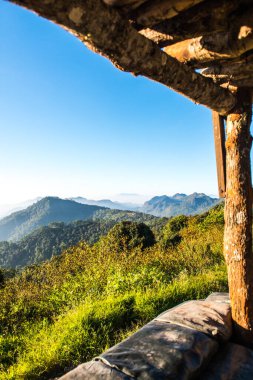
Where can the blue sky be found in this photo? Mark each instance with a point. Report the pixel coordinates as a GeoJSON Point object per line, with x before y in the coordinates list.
{"type": "Point", "coordinates": [72, 124]}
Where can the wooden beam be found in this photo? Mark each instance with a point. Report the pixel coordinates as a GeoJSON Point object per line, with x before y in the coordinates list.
{"type": "Point", "coordinates": [155, 11]}
{"type": "Point", "coordinates": [220, 152]}
{"type": "Point", "coordinates": [127, 5]}
{"type": "Point", "coordinates": [105, 31]}
{"type": "Point", "coordinates": [161, 39]}
{"type": "Point", "coordinates": [218, 46]}
{"type": "Point", "coordinates": [234, 68]}
{"type": "Point", "coordinates": [200, 51]}
{"type": "Point", "coordinates": [202, 19]}
{"type": "Point", "coordinates": [238, 73]}
{"type": "Point", "coordinates": [234, 74]}
{"type": "Point", "coordinates": [238, 219]}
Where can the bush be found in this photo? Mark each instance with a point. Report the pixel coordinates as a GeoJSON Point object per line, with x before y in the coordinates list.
{"type": "Point", "coordinates": [171, 232]}
{"type": "Point", "coordinates": [125, 236]}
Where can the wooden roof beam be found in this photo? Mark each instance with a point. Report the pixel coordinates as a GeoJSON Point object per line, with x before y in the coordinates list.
{"type": "Point", "coordinates": [240, 69]}
{"type": "Point", "coordinates": [199, 20]}
{"type": "Point", "coordinates": [232, 84]}
{"type": "Point", "coordinates": [218, 46]}
{"type": "Point", "coordinates": [155, 11]}
{"type": "Point", "coordinates": [126, 5]}
{"type": "Point", "coordinates": [103, 30]}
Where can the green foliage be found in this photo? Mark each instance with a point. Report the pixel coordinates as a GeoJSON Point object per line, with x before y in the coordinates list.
{"type": "Point", "coordinates": [215, 217]}
{"type": "Point", "coordinates": [72, 307]}
{"type": "Point", "coordinates": [1, 277]}
{"type": "Point", "coordinates": [93, 326]}
{"type": "Point", "coordinates": [48, 241]}
{"type": "Point", "coordinates": [51, 240]}
{"type": "Point", "coordinates": [171, 232]}
{"type": "Point", "coordinates": [125, 236]}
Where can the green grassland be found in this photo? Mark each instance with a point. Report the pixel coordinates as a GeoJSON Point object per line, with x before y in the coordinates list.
{"type": "Point", "coordinates": [69, 309]}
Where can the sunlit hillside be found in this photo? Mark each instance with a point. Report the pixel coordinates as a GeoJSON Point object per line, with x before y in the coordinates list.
{"type": "Point", "coordinates": [72, 307]}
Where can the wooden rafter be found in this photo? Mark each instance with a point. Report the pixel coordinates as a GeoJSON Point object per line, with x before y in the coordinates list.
{"type": "Point", "coordinates": [200, 20]}
{"type": "Point", "coordinates": [239, 74]}
{"type": "Point", "coordinates": [127, 4]}
{"type": "Point", "coordinates": [201, 51]}
{"type": "Point", "coordinates": [240, 69]}
{"type": "Point", "coordinates": [103, 30]}
{"type": "Point", "coordinates": [219, 46]}
{"type": "Point", "coordinates": [153, 12]}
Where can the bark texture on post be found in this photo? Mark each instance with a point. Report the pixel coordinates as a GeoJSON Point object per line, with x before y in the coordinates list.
{"type": "Point", "coordinates": [238, 219]}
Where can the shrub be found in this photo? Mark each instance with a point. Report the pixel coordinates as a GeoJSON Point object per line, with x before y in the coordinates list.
{"type": "Point", "coordinates": [171, 232]}
{"type": "Point", "coordinates": [125, 236]}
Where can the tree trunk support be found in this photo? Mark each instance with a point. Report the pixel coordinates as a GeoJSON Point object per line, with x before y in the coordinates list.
{"type": "Point", "coordinates": [238, 218]}
{"type": "Point", "coordinates": [220, 152]}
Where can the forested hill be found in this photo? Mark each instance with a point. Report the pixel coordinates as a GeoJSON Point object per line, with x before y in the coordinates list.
{"type": "Point", "coordinates": [47, 210]}
{"type": "Point", "coordinates": [48, 241]}
{"type": "Point", "coordinates": [51, 240]}
{"type": "Point", "coordinates": [67, 310]}
{"type": "Point", "coordinates": [179, 204]}
{"type": "Point", "coordinates": [52, 209]}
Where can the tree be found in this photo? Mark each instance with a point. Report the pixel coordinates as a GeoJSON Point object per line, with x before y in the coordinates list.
{"type": "Point", "coordinates": [171, 232]}
{"type": "Point", "coordinates": [125, 236]}
{"type": "Point", "coordinates": [1, 278]}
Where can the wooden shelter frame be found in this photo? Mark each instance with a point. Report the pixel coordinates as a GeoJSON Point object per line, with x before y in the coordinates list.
{"type": "Point", "coordinates": [166, 41]}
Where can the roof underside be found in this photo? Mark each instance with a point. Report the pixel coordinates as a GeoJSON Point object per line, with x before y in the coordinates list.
{"type": "Point", "coordinates": [214, 36]}
{"type": "Point", "coordinates": [200, 48]}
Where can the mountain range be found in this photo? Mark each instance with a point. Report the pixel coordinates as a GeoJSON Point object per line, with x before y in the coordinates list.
{"type": "Point", "coordinates": [41, 213]}
{"type": "Point", "coordinates": [7, 209]}
{"type": "Point", "coordinates": [51, 225]}
{"type": "Point", "coordinates": [161, 206]}
{"type": "Point", "coordinates": [107, 203]}
{"type": "Point", "coordinates": [179, 204]}
{"type": "Point", "coordinates": [52, 209]}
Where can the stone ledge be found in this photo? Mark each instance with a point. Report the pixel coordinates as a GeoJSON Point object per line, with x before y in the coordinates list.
{"type": "Point", "coordinates": [188, 341]}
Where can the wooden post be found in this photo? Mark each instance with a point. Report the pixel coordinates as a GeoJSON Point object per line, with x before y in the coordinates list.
{"type": "Point", "coordinates": [238, 218]}
{"type": "Point", "coordinates": [220, 152]}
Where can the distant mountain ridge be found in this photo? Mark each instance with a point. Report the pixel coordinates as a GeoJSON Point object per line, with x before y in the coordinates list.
{"type": "Point", "coordinates": [157, 205]}
{"type": "Point", "coordinates": [163, 205]}
{"type": "Point", "coordinates": [106, 203]}
{"type": "Point", "coordinates": [8, 209]}
{"type": "Point", "coordinates": [168, 206]}
{"type": "Point", "coordinates": [52, 209]}
{"type": "Point", "coordinates": [43, 212]}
